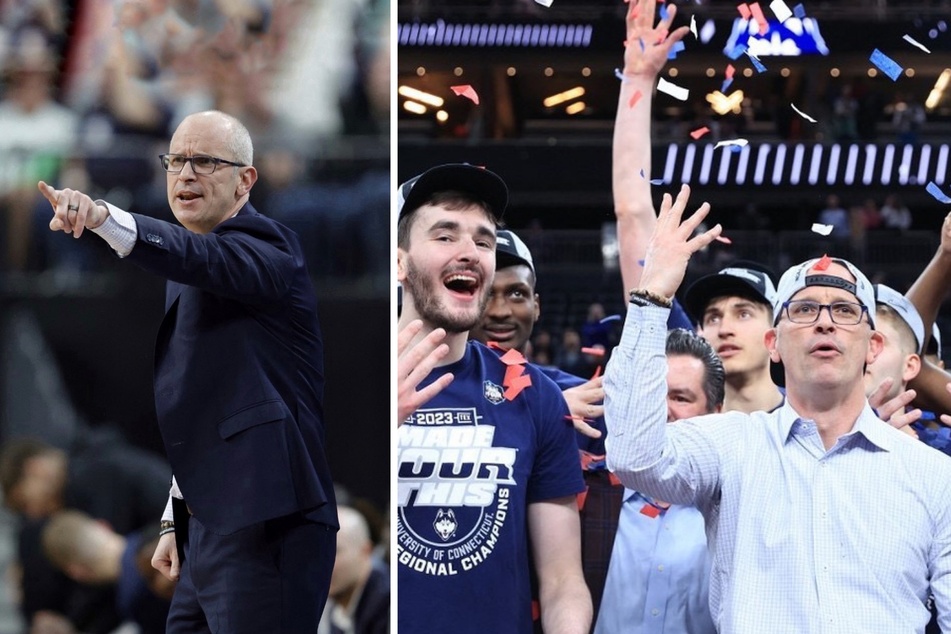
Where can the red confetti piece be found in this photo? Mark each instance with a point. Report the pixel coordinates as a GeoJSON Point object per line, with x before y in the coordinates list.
{"type": "Point", "coordinates": [466, 91]}
{"type": "Point", "coordinates": [723, 239]}
{"type": "Point", "coordinates": [729, 71]}
{"type": "Point", "coordinates": [514, 387]}
{"type": "Point", "coordinates": [512, 357]}
{"type": "Point", "coordinates": [699, 132]}
{"type": "Point", "coordinates": [650, 511]}
{"type": "Point", "coordinates": [536, 610]}
{"type": "Point", "coordinates": [582, 497]}
{"type": "Point", "coordinates": [662, 36]}
{"type": "Point", "coordinates": [614, 480]}
{"type": "Point", "coordinates": [598, 352]}
{"type": "Point", "coordinates": [760, 18]}
{"type": "Point", "coordinates": [823, 263]}
{"type": "Point", "coordinates": [493, 345]}
{"type": "Point", "coordinates": [634, 99]}
{"type": "Point", "coordinates": [597, 372]}
{"type": "Point", "coordinates": [744, 11]}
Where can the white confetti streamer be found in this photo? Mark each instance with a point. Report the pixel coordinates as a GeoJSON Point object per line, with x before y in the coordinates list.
{"type": "Point", "coordinates": [736, 142]}
{"type": "Point", "coordinates": [915, 42]}
{"type": "Point", "coordinates": [693, 26]}
{"type": "Point", "coordinates": [675, 91]}
{"type": "Point", "coordinates": [822, 230]}
{"type": "Point", "coordinates": [780, 10]}
{"type": "Point", "coordinates": [802, 114]}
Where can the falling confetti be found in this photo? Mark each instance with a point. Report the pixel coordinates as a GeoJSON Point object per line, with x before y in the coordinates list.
{"type": "Point", "coordinates": [802, 114]}
{"type": "Point", "coordinates": [723, 239]}
{"type": "Point", "coordinates": [759, 17]}
{"type": "Point", "coordinates": [675, 91]}
{"type": "Point", "coordinates": [466, 91]}
{"type": "Point", "coordinates": [780, 10]}
{"type": "Point", "coordinates": [740, 143]}
{"type": "Point", "coordinates": [744, 11]}
{"type": "Point", "coordinates": [544, 3]}
{"type": "Point", "coordinates": [699, 132]}
{"type": "Point", "coordinates": [634, 99]}
{"type": "Point", "coordinates": [799, 11]}
{"type": "Point", "coordinates": [935, 191]}
{"type": "Point", "coordinates": [915, 42]}
{"type": "Point", "coordinates": [886, 64]}
{"type": "Point", "coordinates": [821, 229]}
{"type": "Point", "coordinates": [693, 26]}
{"type": "Point", "coordinates": [760, 68]}
{"type": "Point", "coordinates": [676, 48]}
{"type": "Point", "coordinates": [823, 263]}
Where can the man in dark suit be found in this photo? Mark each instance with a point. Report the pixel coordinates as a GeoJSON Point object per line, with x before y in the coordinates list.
{"type": "Point", "coordinates": [238, 389]}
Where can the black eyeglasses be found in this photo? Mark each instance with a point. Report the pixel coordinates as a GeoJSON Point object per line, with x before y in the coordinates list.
{"type": "Point", "coordinates": [806, 311]}
{"type": "Point", "coordinates": [201, 164]}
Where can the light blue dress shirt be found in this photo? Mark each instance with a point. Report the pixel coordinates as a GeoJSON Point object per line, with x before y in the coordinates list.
{"type": "Point", "coordinates": [804, 540]}
{"type": "Point", "coordinates": [659, 572]}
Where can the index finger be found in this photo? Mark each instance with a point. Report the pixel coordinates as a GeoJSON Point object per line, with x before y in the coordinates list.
{"type": "Point", "coordinates": [49, 192]}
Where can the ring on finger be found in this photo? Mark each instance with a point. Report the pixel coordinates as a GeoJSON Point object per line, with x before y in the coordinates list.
{"type": "Point", "coordinates": [73, 207]}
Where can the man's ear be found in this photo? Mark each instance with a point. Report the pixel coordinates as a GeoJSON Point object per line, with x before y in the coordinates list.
{"type": "Point", "coordinates": [247, 178]}
{"type": "Point", "coordinates": [912, 367]}
{"type": "Point", "coordinates": [401, 256]}
{"type": "Point", "coordinates": [538, 310]}
{"type": "Point", "coordinates": [875, 346]}
{"type": "Point", "coordinates": [771, 339]}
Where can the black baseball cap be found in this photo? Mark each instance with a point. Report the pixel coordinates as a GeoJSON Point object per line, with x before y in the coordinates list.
{"type": "Point", "coordinates": [510, 250]}
{"type": "Point", "coordinates": [463, 177]}
{"type": "Point", "coordinates": [739, 279]}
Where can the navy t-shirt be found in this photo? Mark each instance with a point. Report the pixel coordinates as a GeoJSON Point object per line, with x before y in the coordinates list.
{"type": "Point", "coordinates": [471, 460]}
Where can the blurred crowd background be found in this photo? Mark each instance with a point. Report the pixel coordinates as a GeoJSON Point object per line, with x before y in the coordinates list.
{"type": "Point", "coordinates": [90, 92]}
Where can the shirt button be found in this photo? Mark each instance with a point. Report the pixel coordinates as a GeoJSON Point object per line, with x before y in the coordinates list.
{"type": "Point", "coordinates": [661, 567]}
{"type": "Point", "coordinates": [655, 612]}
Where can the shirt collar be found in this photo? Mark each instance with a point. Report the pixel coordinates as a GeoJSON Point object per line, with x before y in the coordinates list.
{"type": "Point", "coordinates": [867, 424]}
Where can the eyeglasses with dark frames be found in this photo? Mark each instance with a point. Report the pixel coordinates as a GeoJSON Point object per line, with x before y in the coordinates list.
{"type": "Point", "coordinates": [201, 164]}
{"type": "Point", "coordinates": [806, 311]}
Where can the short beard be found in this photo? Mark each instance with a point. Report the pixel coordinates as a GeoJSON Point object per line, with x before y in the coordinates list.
{"type": "Point", "coordinates": [430, 309]}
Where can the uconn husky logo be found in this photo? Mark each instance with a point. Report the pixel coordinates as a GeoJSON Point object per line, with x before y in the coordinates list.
{"type": "Point", "coordinates": [445, 524]}
{"type": "Point", "coordinates": [493, 393]}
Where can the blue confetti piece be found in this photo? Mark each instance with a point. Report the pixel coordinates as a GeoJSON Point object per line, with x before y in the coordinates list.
{"type": "Point", "coordinates": [935, 191]}
{"type": "Point", "coordinates": [758, 64]}
{"type": "Point", "coordinates": [663, 12]}
{"type": "Point", "coordinates": [611, 317]}
{"type": "Point", "coordinates": [642, 174]}
{"type": "Point", "coordinates": [886, 64]}
{"type": "Point", "coordinates": [676, 48]}
{"type": "Point", "coordinates": [620, 75]}
{"type": "Point", "coordinates": [641, 42]}
{"type": "Point", "coordinates": [657, 181]}
{"type": "Point", "coordinates": [736, 149]}
{"type": "Point", "coordinates": [799, 11]}
{"type": "Point", "coordinates": [738, 50]}
{"type": "Point", "coordinates": [640, 262]}
{"type": "Point", "coordinates": [726, 84]}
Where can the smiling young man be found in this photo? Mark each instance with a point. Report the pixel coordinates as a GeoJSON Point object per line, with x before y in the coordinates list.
{"type": "Point", "coordinates": [799, 503]}
{"type": "Point", "coordinates": [487, 463]}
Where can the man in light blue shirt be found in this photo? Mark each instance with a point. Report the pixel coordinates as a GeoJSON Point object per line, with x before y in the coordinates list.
{"type": "Point", "coordinates": [817, 514]}
{"type": "Point", "coordinates": [659, 571]}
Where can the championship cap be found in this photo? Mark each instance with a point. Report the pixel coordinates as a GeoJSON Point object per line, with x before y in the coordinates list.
{"type": "Point", "coordinates": [812, 273]}
{"type": "Point", "coordinates": [462, 177]}
{"type": "Point", "coordinates": [510, 250]}
{"type": "Point", "coordinates": [905, 309]}
{"type": "Point", "coordinates": [808, 274]}
{"type": "Point", "coordinates": [737, 281]}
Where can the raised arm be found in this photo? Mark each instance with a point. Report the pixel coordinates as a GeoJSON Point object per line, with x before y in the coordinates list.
{"type": "Point", "coordinates": [635, 380]}
{"type": "Point", "coordinates": [927, 293]}
{"type": "Point", "coordinates": [645, 54]}
{"type": "Point", "coordinates": [931, 287]}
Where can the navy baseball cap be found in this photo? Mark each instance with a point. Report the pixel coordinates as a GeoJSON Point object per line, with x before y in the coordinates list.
{"type": "Point", "coordinates": [739, 281]}
{"type": "Point", "coordinates": [510, 250]}
{"type": "Point", "coordinates": [462, 177]}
